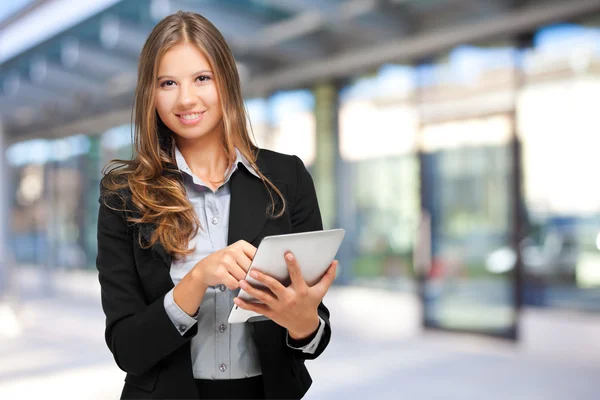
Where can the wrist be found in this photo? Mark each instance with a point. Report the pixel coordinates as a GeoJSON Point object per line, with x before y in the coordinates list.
{"type": "Point", "coordinates": [198, 278]}
{"type": "Point", "coordinates": [309, 329]}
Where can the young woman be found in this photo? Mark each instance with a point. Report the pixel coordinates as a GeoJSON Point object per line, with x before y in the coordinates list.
{"type": "Point", "coordinates": [178, 227]}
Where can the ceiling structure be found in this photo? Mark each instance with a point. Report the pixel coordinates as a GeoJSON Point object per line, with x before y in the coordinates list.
{"type": "Point", "coordinates": [69, 67]}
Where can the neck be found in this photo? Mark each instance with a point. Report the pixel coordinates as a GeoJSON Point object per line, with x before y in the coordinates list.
{"type": "Point", "coordinates": [206, 157]}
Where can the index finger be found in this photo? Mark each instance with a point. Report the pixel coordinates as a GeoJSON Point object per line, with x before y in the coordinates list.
{"type": "Point", "coordinates": [247, 248]}
{"type": "Point", "coordinates": [271, 283]}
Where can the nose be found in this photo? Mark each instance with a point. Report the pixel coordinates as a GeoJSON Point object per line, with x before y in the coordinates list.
{"type": "Point", "coordinates": [187, 95]}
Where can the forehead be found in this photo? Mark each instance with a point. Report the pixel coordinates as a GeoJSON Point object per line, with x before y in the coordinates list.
{"type": "Point", "coordinates": [182, 60]}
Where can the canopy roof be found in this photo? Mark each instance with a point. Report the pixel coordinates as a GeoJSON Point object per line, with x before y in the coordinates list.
{"type": "Point", "coordinates": [69, 66]}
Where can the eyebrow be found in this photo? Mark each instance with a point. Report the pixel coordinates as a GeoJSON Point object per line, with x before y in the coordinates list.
{"type": "Point", "coordinates": [194, 74]}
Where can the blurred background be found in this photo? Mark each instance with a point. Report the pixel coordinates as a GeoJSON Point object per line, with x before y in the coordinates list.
{"type": "Point", "coordinates": [456, 141]}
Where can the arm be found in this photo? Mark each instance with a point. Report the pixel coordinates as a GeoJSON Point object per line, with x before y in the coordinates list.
{"type": "Point", "coordinates": [182, 303]}
{"type": "Point", "coordinates": [182, 320]}
{"type": "Point", "coordinates": [138, 333]}
{"type": "Point", "coordinates": [306, 216]}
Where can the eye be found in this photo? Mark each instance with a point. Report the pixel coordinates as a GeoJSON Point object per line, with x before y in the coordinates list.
{"type": "Point", "coordinates": [163, 84]}
{"type": "Point", "coordinates": [204, 78]}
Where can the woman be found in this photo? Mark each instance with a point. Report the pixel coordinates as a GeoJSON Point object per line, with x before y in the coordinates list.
{"type": "Point", "coordinates": [178, 227]}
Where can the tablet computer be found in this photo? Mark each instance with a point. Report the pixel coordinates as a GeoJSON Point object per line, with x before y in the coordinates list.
{"type": "Point", "coordinates": [314, 251]}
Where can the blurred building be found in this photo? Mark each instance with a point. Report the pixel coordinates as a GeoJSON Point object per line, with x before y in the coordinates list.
{"type": "Point", "coordinates": [454, 140]}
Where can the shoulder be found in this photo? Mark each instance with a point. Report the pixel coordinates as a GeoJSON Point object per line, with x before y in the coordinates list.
{"type": "Point", "coordinates": [280, 167]}
{"type": "Point", "coordinates": [272, 158]}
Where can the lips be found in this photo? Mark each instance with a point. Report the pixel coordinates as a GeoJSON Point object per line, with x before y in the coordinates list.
{"type": "Point", "coordinates": [190, 118]}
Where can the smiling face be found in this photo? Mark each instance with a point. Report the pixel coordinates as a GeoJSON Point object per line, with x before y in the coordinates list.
{"type": "Point", "coordinates": [186, 95]}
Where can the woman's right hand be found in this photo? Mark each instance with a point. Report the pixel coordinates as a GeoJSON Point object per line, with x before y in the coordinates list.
{"type": "Point", "coordinates": [227, 266]}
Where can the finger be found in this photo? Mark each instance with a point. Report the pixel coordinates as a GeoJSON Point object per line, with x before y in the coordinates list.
{"type": "Point", "coordinates": [273, 284]}
{"type": "Point", "coordinates": [259, 294]}
{"type": "Point", "coordinates": [259, 308]}
{"type": "Point", "coordinates": [236, 272]}
{"type": "Point", "coordinates": [247, 248]}
{"type": "Point", "coordinates": [231, 267]}
{"type": "Point", "coordinates": [231, 282]}
{"type": "Point", "coordinates": [242, 260]}
{"type": "Point", "coordinates": [325, 283]}
{"type": "Point", "coordinates": [294, 270]}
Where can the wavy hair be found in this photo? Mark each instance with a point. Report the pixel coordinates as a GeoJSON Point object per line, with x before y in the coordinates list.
{"type": "Point", "coordinates": [157, 192]}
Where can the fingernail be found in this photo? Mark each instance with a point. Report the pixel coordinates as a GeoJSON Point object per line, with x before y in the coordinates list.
{"type": "Point", "coordinates": [289, 256]}
{"type": "Point", "coordinates": [254, 274]}
{"type": "Point", "coordinates": [236, 301]}
{"type": "Point", "coordinates": [243, 284]}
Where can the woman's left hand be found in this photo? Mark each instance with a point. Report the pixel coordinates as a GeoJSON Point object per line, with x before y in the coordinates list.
{"type": "Point", "coordinates": [293, 307]}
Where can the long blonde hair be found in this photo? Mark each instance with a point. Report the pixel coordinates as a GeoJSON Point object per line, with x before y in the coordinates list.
{"type": "Point", "coordinates": [157, 191]}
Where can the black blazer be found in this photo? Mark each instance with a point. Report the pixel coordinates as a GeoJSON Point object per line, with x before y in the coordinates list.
{"type": "Point", "coordinates": [134, 281]}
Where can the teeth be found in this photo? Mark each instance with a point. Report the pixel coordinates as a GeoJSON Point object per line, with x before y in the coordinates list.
{"type": "Point", "coordinates": [190, 116]}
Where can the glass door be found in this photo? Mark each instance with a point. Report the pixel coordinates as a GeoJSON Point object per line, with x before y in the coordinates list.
{"type": "Point", "coordinates": [468, 285]}
{"type": "Point", "coordinates": [464, 257]}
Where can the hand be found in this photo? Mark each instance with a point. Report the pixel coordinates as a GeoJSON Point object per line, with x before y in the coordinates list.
{"type": "Point", "coordinates": [293, 307]}
{"type": "Point", "coordinates": [226, 266]}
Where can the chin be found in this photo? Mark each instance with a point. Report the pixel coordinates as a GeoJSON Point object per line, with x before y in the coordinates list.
{"type": "Point", "coordinates": [194, 134]}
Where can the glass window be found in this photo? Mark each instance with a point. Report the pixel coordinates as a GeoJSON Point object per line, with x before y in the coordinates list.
{"type": "Point", "coordinates": [48, 209]}
{"type": "Point", "coordinates": [293, 126]}
{"type": "Point", "coordinates": [559, 127]}
{"type": "Point", "coordinates": [116, 143]}
{"type": "Point", "coordinates": [380, 175]}
{"type": "Point", "coordinates": [258, 118]}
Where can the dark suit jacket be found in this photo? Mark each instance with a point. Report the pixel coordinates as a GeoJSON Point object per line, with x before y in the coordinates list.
{"type": "Point", "coordinates": [134, 281]}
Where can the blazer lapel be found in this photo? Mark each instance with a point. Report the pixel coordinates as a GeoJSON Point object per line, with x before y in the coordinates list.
{"type": "Point", "coordinates": [248, 206]}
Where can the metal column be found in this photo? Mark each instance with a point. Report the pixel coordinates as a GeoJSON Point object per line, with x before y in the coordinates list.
{"type": "Point", "coordinates": [9, 322]}
{"type": "Point", "coordinates": [5, 253]}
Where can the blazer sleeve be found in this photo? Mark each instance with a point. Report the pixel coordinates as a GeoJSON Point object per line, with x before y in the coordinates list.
{"type": "Point", "coordinates": [138, 333]}
{"type": "Point", "coordinates": [306, 216]}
